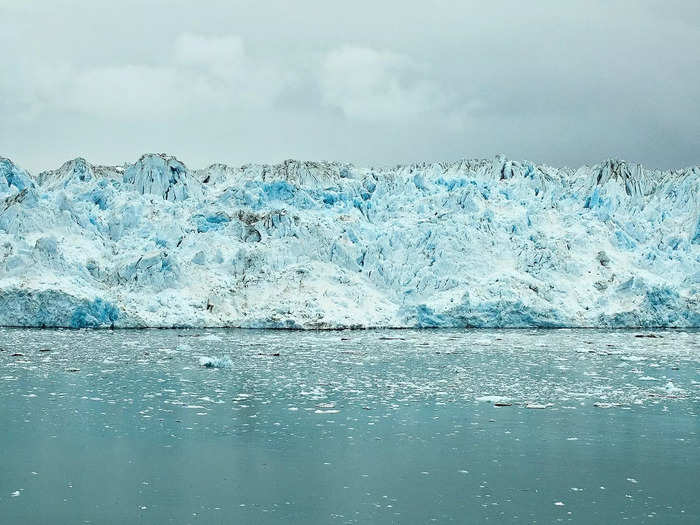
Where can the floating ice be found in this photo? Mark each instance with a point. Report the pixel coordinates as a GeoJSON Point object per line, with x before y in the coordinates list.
{"type": "Point", "coordinates": [493, 399]}
{"type": "Point", "coordinates": [602, 404]}
{"type": "Point", "coordinates": [488, 243]}
{"type": "Point", "coordinates": [215, 362]}
{"type": "Point", "coordinates": [672, 389]}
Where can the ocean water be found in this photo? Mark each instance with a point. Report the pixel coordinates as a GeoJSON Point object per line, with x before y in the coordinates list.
{"type": "Point", "coordinates": [245, 426]}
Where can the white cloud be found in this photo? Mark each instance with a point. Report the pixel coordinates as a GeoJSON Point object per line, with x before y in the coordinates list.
{"type": "Point", "coordinates": [125, 91]}
{"type": "Point", "coordinates": [376, 85]}
{"type": "Point", "coordinates": [197, 50]}
{"type": "Point", "coordinates": [201, 74]}
{"type": "Point", "coordinates": [219, 70]}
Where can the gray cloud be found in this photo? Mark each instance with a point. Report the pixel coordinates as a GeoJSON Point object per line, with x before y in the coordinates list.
{"type": "Point", "coordinates": [371, 82]}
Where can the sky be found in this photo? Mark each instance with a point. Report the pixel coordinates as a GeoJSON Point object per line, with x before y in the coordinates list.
{"type": "Point", "coordinates": [369, 82]}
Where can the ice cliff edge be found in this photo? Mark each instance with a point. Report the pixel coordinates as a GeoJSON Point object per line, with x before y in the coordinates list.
{"type": "Point", "coordinates": [485, 243]}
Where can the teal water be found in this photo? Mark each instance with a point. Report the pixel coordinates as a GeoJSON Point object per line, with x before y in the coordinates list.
{"type": "Point", "coordinates": [349, 427]}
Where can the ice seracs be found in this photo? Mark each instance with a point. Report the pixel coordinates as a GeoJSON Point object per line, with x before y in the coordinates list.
{"type": "Point", "coordinates": [494, 242]}
{"type": "Point", "coordinates": [13, 179]}
{"type": "Point", "coordinates": [161, 175]}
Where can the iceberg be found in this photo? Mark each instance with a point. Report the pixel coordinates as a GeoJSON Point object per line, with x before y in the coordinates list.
{"type": "Point", "coordinates": [327, 245]}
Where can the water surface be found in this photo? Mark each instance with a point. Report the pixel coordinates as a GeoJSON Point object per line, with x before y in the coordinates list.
{"type": "Point", "coordinates": [349, 427]}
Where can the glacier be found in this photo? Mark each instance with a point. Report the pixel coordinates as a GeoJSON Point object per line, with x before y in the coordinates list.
{"type": "Point", "coordinates": [325, 245]}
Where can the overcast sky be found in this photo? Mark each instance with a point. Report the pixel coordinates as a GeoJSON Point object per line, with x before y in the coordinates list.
{"type": "Point", "coordinates": [371, 82]}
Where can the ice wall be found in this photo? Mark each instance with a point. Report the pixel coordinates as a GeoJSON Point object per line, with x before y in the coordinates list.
{"type": "Point", "coordinates": [493, 243]}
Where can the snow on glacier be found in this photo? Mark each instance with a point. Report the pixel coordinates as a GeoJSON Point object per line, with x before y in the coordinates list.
{"type": "Point", "coordinates": [488, 243]}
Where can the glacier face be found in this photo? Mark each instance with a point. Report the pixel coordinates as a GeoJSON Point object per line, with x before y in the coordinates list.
{"type": "Point", "coordinates": [487, 243]}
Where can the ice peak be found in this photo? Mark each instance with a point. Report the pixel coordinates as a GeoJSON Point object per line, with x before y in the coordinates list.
{"type": "Point", "coordinates": [13, 179]}
{"type": "Point", "coordinates": [151, 157]}
{"type": "Point", "coordinates": [160, 174]}
{"type": "Point", "coordinates": [75, 170]}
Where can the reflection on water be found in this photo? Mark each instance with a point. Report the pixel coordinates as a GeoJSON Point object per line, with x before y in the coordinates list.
{"type": "Point", "coordinates": [217, 426]}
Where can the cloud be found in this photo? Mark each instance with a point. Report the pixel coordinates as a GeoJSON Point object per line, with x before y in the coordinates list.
{"type": "Point", "coordinates": [215, 52]}
{"type": "Point", "coordinates": [375, 85]}
{"type": "Point", "coordinates": [123, 91]}
{"type": "Point", "coordinates": [222, 72]}
{"type": "Point", "coordinates": [201, 73]}
{"type": "Point", "coordinates": [558, 82]}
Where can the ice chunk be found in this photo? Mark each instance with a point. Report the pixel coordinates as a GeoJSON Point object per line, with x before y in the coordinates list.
{"type": "Point", "coordinates": [215, 362]}
{"type": "Point", "coordinates": [493, 399]}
